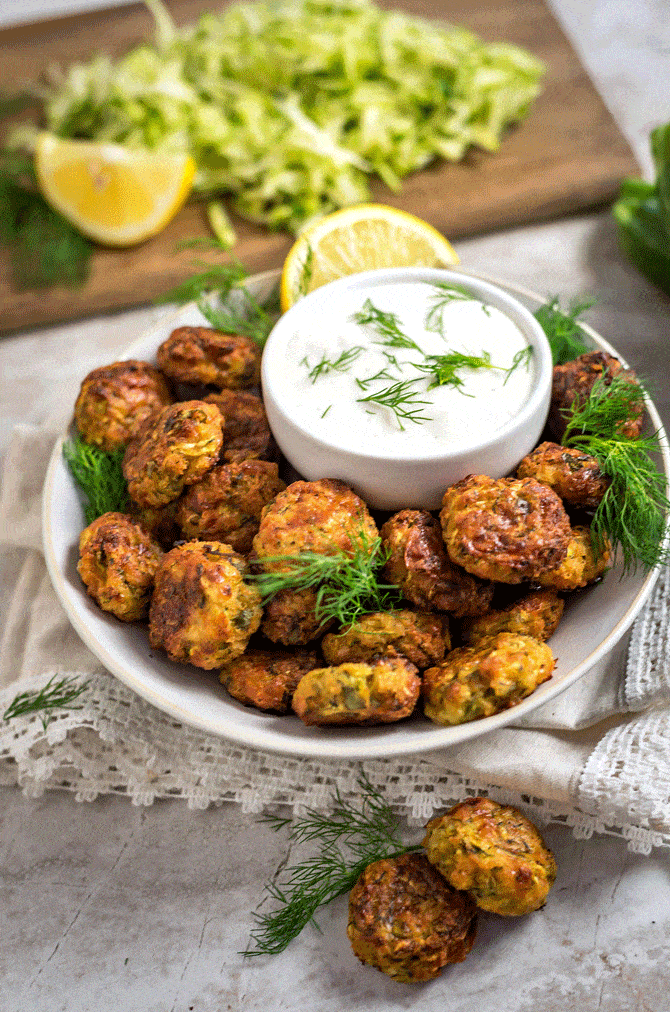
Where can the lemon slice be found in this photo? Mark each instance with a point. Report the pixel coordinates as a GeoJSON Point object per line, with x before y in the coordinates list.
{"type": "Point", "coordinates": [115, 195]}
{"type": "Point", "coordinates": [360, 238]}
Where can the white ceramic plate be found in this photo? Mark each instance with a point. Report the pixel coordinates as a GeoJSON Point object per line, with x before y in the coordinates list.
{"type": "Point", "coordinates": [594, 621]}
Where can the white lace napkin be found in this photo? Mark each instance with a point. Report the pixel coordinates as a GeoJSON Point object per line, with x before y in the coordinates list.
{"type": "Point", "coordinates": [597, 757]}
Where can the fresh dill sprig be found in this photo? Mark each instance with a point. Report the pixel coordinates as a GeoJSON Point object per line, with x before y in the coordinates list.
{"type": "Point", "coordinates": [386, 325]}
{"type": "Point", "coordinates": [219, 278]}
{"type": "Point", "coordinates": [340, 364]}
{"type": "Point", "coordinates": [444, 294]}
{"type": "Point", "coordinates": [347, 584]}
{"type": "Point", "coordinates": [383, 374]}
{"type": "Point", "coordinates": [57, 694]}
{"type": "Point", "coordinates": [349, 839]}
{"type": "Point", "coordinates": [522, 357]}
{"type": "Point", "coordinates": [44, 248]}
{"type": "Point", "coordinates": [565, 336]}
{"type": "Point", "coordinates": [402, 400]}
{"type": "Point", "coordinates": [99, 475]}
{"type": "Point", "coordinates": [634, 510]}
{"type": "Point", "coordinates": [250, 319]}
{"type": "Point", "coordinates": [444, 368]}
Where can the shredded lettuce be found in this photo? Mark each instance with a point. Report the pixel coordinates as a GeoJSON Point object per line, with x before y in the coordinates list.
{"type": "Point", "coordinates": [289, 107]}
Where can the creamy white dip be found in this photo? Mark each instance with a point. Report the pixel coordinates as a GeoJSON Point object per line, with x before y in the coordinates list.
{"type": "Point", "coordinates": [328, 402]}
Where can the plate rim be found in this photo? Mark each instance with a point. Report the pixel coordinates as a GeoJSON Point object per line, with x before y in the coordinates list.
{"type": "Point", "coordinates": [325, 747]}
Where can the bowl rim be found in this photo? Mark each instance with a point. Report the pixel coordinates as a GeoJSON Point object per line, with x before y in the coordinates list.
{"type": "Point", "coordinates": [327, 746]}
{"type": "Point", "coordinates": [515, 311]}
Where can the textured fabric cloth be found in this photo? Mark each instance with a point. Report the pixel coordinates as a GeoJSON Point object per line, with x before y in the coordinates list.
{"type": "Point", "coordinates": [596, 757]}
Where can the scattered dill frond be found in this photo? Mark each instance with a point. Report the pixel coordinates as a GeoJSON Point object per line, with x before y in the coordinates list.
{"type": "Point", "coordinates": [326, 411]}
{"type": "Point", "coordinates": [383, 374]}
{"type": "Point", "coordinates": [402, 400]}
{"type": "Point", "coordinates": [340, 364]}
{"type": "Point", "coordinates": [633, 513]}
{"type": "Point", "coordinates": [565, 336]}
{"type": "Point", "coordinates": [444, 368]}
{"type": "Point", "coordinates": [57, 694]}
{"type": "Point", "coordinates": [44, 248]}
{"type": "Point", "coordinates": [347, 585]}
{"type": "Point", "coordinates": [443, 295]}
{"type": "Point", "coordinates": [219, 278]}
{"type": "Point", "coordinates": [349, 839]}
{"type": "Point", "coordinates": [386, 325]}
{"type": "Point", "coordinates": [522, 357]}
{"type": "Point", "coordinates": [99, 476]}
{"type": "Point", "coordinates": [249, 319]}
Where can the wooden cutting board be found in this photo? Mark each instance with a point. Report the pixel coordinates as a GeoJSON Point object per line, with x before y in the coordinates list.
{"type": "Point", "coordinates": [568, 155]}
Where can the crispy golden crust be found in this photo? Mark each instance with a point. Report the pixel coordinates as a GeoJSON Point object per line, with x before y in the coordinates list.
{"type": "Point", "coordinates": [118, 562]}
{"type": "Point", "coordinates": [574, 476]}
{"type": "Point", "coordinates": [313, 516]}
{"type": "Point", "coordinates": [246, 433]}
{"type": "Point", "coordinates": [174, 449]}
{"type": "Point", "coordinates": [202, 611]}
{"type": "Point", "coordinates": [495, 853]}
{"type": "Point", "coordinates": [267, 678]}
{"type": "Point", "coordinates": [290, 618]}
{"type": "Point", "coordinates": [536, 614]}
{"type": "Point", "coordinates": [478, 681]}
{"type": "Point", "coordinates": [407, 922]}
{"type": "Point", "coordinates": [378, 693]}
{"type": "Point", "coordinates": [510, 530]}
{"type": "Point", "coordinates": [419, 565]}
{"type": "Point", "coordinates": [420, 636]}
{"type": "Point", "coordinates": [581, 566]}
{"type": "Point", "coordinates": [574, 381]}
{"type": "Point", "coordinates": [204, 355]}
{"type": "Point", "coordinates": [116, 399]}
{"type": "Point", "coordinates": [226, 504]}
{"type": "Point", "coordinates": [160, 521]}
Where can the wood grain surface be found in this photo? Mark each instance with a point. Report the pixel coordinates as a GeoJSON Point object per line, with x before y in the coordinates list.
{"type": "Point", "coordinates": [567, 156]}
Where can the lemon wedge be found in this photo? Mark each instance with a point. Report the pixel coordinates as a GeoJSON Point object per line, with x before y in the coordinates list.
{"type": "Point", "coordinates": [360, 238]}
{"type": "Point", "coordinates": [115, 195]}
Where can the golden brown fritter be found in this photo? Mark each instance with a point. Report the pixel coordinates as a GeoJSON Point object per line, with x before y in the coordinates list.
{"type": "Point", "coordinates": [419, 565]}
{"type": "Point", "coordinates": [536, 614]}
{"type": "Point", "coordinates": [407, 922]}
{"type": "Point", "coordinates": [420, 636]}
{"type": "Point", "coordinates": [574, 381]}
{"type": "Point", "coordinates": [495, 853]}
{"type": "Point", "coordinates": [478, 681]}
{"type": "Point", "coordinates": [246, 433]}
{"type": "Point", "coordinates": [160, 521]}
{"type": "Point", "coordinates": [202, 611]}
{"type": "Point", "coordinates": [174, 449]}
{"type": "Point", "coordinates": [226, 504]}
{"type": "Point", "coordinates": [574, 476]}
{"type": "Point", "coordinates": [290, 618]}
{"type": "Point", "coordinates": [378, 693]}
{"type": "Point", "coordinates": [267, 678]}
{"type": "Point", "coordinates": [204, 355]}
{"type": "Point", "coordinates": [118, 561]}
{"type": "Point", "coordinates": [508, 530]}
{"type": "Point", "coordinates": [116, 399]}
{"type": "Point", "coordinates": [581, 566]}
{"type": "Point", "coordinates": [322, 516]}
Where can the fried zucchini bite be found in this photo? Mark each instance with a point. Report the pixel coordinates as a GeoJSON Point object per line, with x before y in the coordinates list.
{"type": "Point", "coordinates": [246, 433]}
{"type": "Point", "coordinates": [202, 355]}
{"type": "Point", "coordinates": [478, 681]}
{"type": "Point", "coordinates": [290, 618]}
{"type": "Point", "coordinates": [381, 692]}
{"type": "Point", "coordinates": [115, 400]}
{"type": "Point", "coordinates": [419, 565]}
{"type": "Point", "coordinates": [582, 565]}
{"type": "Point", "coordinates": [420, 636]}
{"type": "Point", "coordinates": [174, 449]}
{"type": "Point", "coordinates": [574, 476]}
{"type": "Point", "coordinates": [406, 921]}
{"type": "Point", "coordinates": [267, 679]}
{"type": "Point", "coordinates": [508, 530]}
{"type": "Point", "coordinates": [536, 614]}
{"type": "Point", "coordinates": [573, 381]}
{"type": "Point", "coordinates": [118, 560]}
{"type": "Point", "coordinates": [202, 611]}
{"type": "Point", "coordinates": [226, 504]}
{"type": "Point", "coordinates": [495, 853]}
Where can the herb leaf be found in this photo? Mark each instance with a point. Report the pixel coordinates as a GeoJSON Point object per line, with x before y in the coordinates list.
{"type": "Point", "coordinates": [57, 694]}
{"type": "Point", "coordinates": [99, 476]}
{"type": "Point", "coordinates": [443, 368]}
{"type": "Point", "coordinates": [369, 833]}
{"type": "Point", "coordinates": [401, 400]}
{"type": "Point", "coordinates": [444, 294]}
{"type": "Point", "coordinates": [386, 325]}
{"type": "Point", "coordinates": [565, 336]}
{"type": "Point", "coordinates": [340, 364]}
